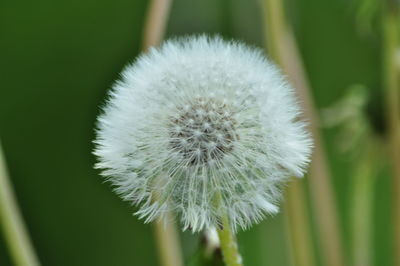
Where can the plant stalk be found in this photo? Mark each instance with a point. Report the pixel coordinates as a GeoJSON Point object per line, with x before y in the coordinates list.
{"type": "Point", "coordinates": [16, 235]}
{"type": "Point", "coordinates": [167, 239]}
{"type": "Point", "coordinates": [156, 23]}
{"type": "Point", "coordinates": [166, 234]}
{"type": "Point", "coordinates": [282, 48]}
{"type": "Point", "coordinates": [361, 211]}
{"type": "Point", "coordinates": [297, 222]}
{"type": "Point", "coordinates": [229, 244]}
{"type": "Point", "coordinates": [391, 75]}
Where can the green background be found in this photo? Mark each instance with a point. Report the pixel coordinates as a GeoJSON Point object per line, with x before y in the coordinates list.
{"type": "Point", "coordinates": [57, 60]}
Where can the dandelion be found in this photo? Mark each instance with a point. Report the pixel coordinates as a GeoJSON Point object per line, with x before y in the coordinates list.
{"type": "Point", "coordinates": [205, 128]}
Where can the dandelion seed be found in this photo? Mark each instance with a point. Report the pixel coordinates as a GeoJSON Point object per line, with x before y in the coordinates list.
{"type": "Point", "coordinates": [204, 117]}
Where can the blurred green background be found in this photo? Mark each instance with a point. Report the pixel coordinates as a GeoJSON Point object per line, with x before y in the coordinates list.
{"type": "Point", "coordinates": [58, 59]}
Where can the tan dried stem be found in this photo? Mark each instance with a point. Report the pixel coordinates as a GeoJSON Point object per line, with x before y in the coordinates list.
{"type": "Point", "coordinates": [168, 243]}
{"type": "Point", "coordinates": [283, 49]}
{"type": "Point", "coordinates": [15, 232]}
{"type": "Point", "coordinates": [155, 23]}
{"type": "Point", "coordinates": [298, 225]}
{"type": "Point", "coordinates": [166, 234]}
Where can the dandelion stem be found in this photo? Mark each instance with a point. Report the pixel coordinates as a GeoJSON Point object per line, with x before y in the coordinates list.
{"type": "Point", "coordinates": [391, 75]}
{"type": "Point", "coordinates": [282, 47]}
{"type": "Point", "coordinates": [229, 244]}
{"type": "Point", "coordinates": [12, 223]}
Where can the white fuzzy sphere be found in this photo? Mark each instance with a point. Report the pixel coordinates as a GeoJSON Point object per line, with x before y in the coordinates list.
{"type": "Point", "coordinates": [204, 128]}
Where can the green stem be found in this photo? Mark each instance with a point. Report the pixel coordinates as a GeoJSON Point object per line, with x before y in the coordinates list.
{"type": "Point", "coordinates": [392, 90]}
{"type": "Point", "coordinates": [229, 244]}
{"type": "Point", "coordinates": [361, 211]}
{"type": "Point", "coordinates": [12, 223]}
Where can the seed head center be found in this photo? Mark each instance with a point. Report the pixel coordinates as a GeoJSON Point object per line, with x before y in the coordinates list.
{"type": "Point", "coordinates": [203, 131]}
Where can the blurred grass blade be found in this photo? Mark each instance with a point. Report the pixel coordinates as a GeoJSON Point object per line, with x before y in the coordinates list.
{"type": "Point", "coordinates": [391, 75]}
{"type": "Point", "coordinates": [166, 234]}
{"type": "Point", "coordinates": [15, 233]}
{"type": "Point", "coordinates": [283, 49]}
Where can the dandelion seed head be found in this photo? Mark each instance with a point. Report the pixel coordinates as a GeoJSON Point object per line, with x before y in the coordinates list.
{"type": "Point", "coordinates": [207, 130]}
{"type": "Point", "coordinates": [199, 119]}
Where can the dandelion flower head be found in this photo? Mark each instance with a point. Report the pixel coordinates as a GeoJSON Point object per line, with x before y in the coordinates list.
{"type": "Point", "coordinates": [204, 128]}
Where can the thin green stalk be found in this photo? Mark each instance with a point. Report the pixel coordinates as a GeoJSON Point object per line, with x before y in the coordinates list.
{"type": "Point", "coordinates": [391, 76]}
{"type": "Point", "coordinates": [229, 244]}
{"type": "Point", "coordinates": [282, 48]}
{"type": "Point", "coordinates": [361, 211]}
{"type": "Point", "coordinates": [16, 235]}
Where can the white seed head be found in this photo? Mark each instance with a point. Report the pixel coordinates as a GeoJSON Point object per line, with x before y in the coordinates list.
{"type": "Point", "coordinates": [204, 128]}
